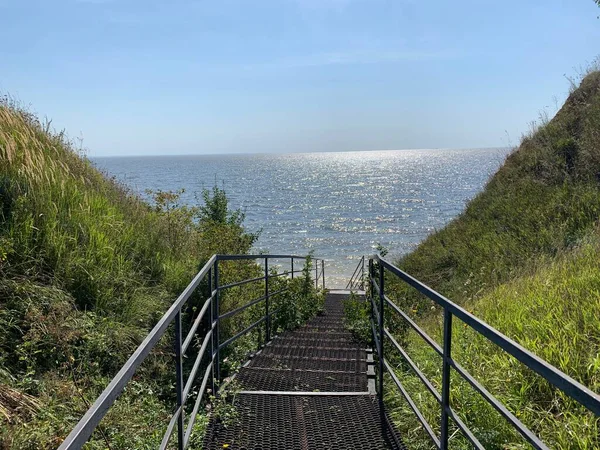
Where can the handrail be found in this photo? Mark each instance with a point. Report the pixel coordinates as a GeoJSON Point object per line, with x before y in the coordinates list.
{"type": "Point", "coordinates": [378, 267]}
{"type": "Point", "coordinates": [357, 280]}
{"type": "Point", "coordinates": [210, 272]}
{"type": "Point", "coordinates": [196, 324]}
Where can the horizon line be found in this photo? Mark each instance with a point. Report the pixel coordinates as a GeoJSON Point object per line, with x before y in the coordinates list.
{"type": "Point", "coordinates": [163, 155]}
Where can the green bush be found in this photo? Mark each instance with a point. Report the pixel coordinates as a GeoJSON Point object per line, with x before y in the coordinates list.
{"type": "Point", "coordinates": [300, 301]}
{"type": "Point", "coordinates": [357, 314]}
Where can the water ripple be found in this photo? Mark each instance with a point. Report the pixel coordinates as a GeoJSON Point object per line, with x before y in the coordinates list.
{"type": "Point", "coordinates": [341, 205]}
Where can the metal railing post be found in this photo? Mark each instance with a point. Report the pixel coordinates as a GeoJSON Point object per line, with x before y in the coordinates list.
{"type": "Point", "coordinates": [323, 272]}
{"type": "Point", "coordinates": [292, 259]}
{"type": "Point", "coordinates": [371, 275]}
{"type": "Point", "coordinates": [316, 273]}
{"type": "Point", "coordinates": [217, 366]}
{"type": "Point", "coordinates": [381, 337]}
{"type": "Point", "coordinates": [445, 405]}
{"type": "Point", "coordinates": [212, 326]}
{"type": "Point", "coordinates": [179, 382]}
{"type": "Point", "coordinates": [268, 318]}
{"type": "Point", "coordinates": [362, 274]}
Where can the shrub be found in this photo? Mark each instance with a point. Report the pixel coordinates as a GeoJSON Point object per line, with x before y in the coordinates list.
{"type": "Point", "coordinates": [357, 315]}
{"type": "Point", "coordinates": [300, 301]}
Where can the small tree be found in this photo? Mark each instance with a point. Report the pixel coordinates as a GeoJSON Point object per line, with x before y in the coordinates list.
{"type": "Point", "coordinates": [219, 229]}
{"type": "Point", "coordinates": [223, 227]}
{"type": "Point", "coordinates": [216, 208]}
{"type": "Point", "coordinates": [178, 217]}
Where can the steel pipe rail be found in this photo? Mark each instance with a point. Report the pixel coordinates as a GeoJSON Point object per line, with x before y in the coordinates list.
{"type": "Point", "coordinates": [378, 269]}
{"type": "Point", "coordinates": [172, 319]}
{"type": "Point", "coordinates": [357, 280]}
{"type": "Point", "coordinates": [196, 324]}
{"type": "Point", "coordinates": [241, 308]}
{"type": "Point", "coordinates": [241, 283]}
{"type": "Point", "coordinates": [85, 427]}
{"type": "Point", "coordinates": [412, 404]}
{"type": "Point", "coordinates": [236, 336]}
{"type": "Point", "coordinates": [414, 367]}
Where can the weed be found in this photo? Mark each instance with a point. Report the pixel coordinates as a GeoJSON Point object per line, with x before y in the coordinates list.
{"type": "Point", "coordinates": [357, 315]}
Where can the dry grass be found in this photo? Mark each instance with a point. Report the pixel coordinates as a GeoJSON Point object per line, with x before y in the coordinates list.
{"type": "Point", "coordinates": [16, 406]}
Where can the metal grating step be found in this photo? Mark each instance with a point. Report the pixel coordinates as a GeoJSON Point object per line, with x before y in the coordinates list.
{"type": "Point", "coordinates": [307, 390]}
{"type": "Point", "coordinates": [257, 379]}
{"type": "Point", "coordinates": [278, 422]}
{"type": "Point", "coordinates": [322, 334]}
{"type": "Point", "coordinates": [328, 323]}
{"type": "Point", "coordinates": [309, 363]}
{"type": "Point", "coordinates": [315, 352]}
{"type": "Point", "coordinates": [326, 320]}
{"type": "Point", "coordinates": [323, 327]}
{"type": "Point", "coordinates": [291, 340]}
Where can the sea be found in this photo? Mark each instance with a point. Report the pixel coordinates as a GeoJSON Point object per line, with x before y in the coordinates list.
{"type": "Point", "coordinates": [340, 205]}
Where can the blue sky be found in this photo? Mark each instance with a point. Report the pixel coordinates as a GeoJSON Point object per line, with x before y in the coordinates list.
{"type": "Point", "coordinates": [175, 77]}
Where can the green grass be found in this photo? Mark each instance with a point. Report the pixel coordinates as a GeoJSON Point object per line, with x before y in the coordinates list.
{"type": "Point", "coordinates": [539, 203]}
{"type": "Point", "coordinates": [86, 269]}
{"type": "Point", "coordinates": [357, 313]}
{"type": "Point", "coordinates": [84, 273]}
{"type": "Point", "coordinates": [554, 313]}
{"type": "Point", "coordinates": [523, 256]}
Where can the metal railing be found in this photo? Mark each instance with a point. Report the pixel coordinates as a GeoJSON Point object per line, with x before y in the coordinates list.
{"type": "Point", "coordinates": [378, 270]}
{"type": "Point", "coordinates": [212, 372]}
{"type": "Point", "coordinates": [357, 280]}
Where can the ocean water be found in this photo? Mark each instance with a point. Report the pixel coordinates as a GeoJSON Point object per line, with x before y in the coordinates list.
{"type": "Point", "coordinates": [340, 205]}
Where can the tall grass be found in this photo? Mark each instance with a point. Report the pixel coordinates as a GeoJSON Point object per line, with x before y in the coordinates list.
{"type": "Point", "coordinates": [544, 199]}
{"type": "Point", "coordinates": [522, 256]}
{"type": "Point", "coordinates": [554, 313]}
{"type": "Point", "coordinates": [86, 269]}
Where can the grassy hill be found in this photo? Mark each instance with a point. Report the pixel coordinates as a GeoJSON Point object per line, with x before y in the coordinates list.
{"type": "Point", "coordinates": [86, 269]}
{"type": "Point", "coordinates": [524, 257]}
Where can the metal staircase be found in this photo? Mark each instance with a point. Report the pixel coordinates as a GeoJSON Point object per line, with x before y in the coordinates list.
{"type": "Point", "coordinates": [308, 389]}
{"type": "Point", "coordinates": [314, 387]}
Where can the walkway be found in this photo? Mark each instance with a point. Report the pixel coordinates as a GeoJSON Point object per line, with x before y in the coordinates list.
{"type": "Point", "coordinates": [310, 388]}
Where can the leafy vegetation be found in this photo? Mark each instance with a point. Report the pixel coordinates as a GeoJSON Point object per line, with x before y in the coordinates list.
{"type": "Point", "coordinates": [522, 256]}
{"type": "Point", "coordinates": [299, 302]}
{"type": "Point", "coordinates": [86, 269]}
{"type": "Point", "coordinates": [357, 315]}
